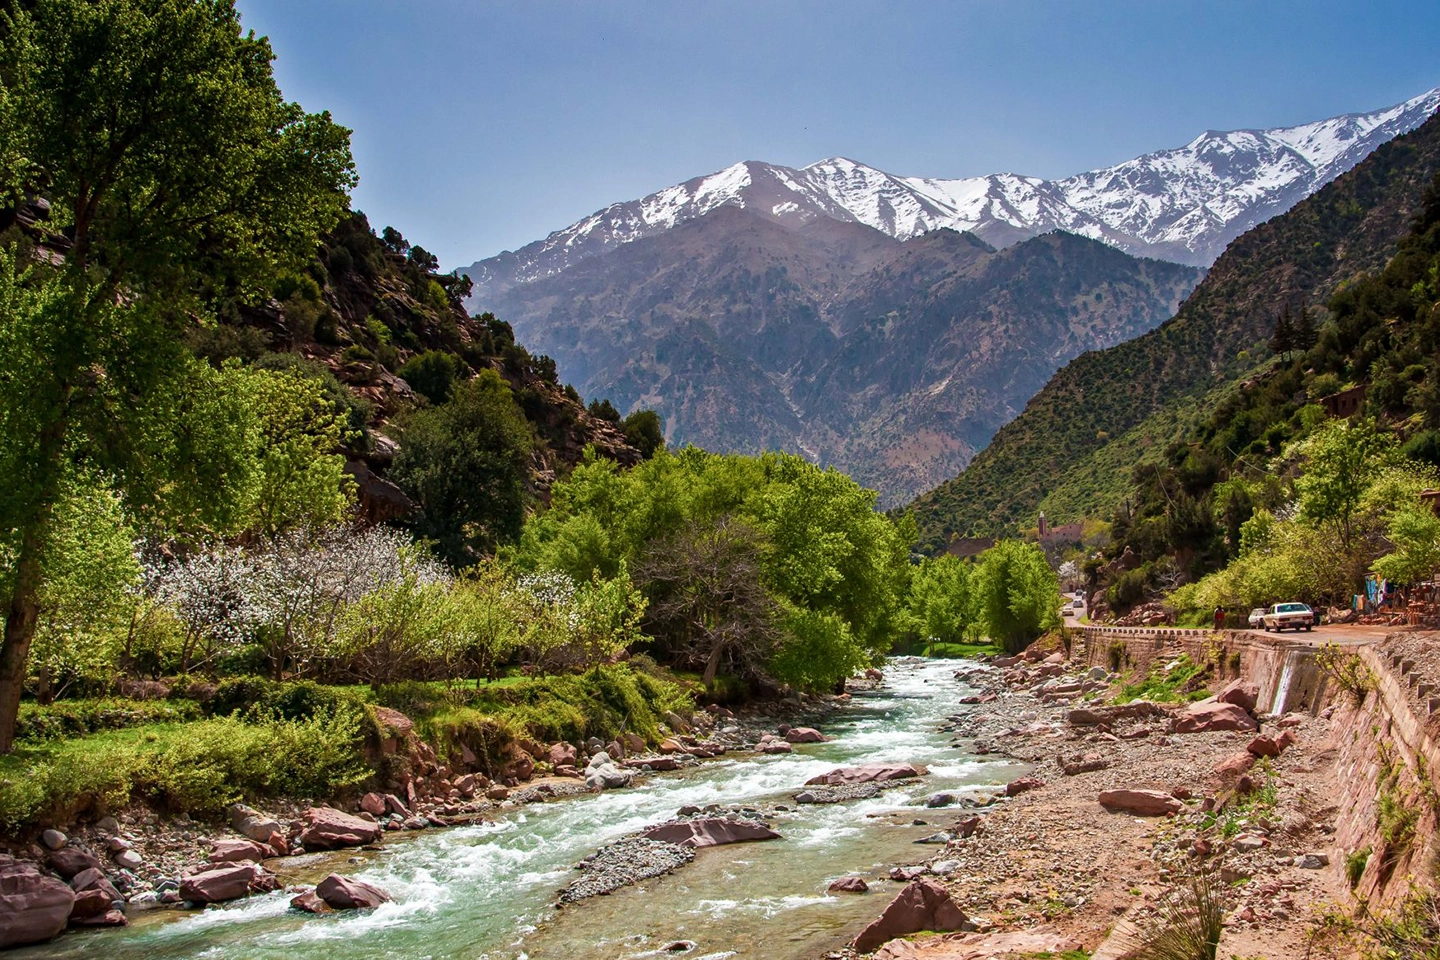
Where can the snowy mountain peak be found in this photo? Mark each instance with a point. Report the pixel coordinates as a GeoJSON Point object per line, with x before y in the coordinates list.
{"type": "Point", "coordinates": [1183, 204]}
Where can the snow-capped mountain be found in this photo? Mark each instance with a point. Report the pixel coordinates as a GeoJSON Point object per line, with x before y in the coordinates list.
{"type": "Point", "coordinates": [1185, 204]}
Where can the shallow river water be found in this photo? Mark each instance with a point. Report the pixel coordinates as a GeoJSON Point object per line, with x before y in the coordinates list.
{"type": "Point", "coordinates": [484, 892]}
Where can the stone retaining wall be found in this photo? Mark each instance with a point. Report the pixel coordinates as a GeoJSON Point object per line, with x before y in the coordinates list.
{"type": "Point", "coordinates": [1286, 672]}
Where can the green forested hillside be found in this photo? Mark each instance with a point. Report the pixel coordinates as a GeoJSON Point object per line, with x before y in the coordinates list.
{"type": "Point", "coordinates": [1063, 439]}
{"type": "Point", "coordinates": [1292, 492]}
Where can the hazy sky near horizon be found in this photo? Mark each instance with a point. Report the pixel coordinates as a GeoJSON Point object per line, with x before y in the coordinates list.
{"type": "Point", "coordinates": [481, 126]}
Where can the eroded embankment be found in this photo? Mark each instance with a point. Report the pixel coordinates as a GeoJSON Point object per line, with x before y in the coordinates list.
{"type": "Point", "coordinates": [1331, 802]}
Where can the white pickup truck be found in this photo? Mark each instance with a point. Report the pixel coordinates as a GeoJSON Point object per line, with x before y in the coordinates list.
{"type": "Point", "coordinates": [1284, 615]}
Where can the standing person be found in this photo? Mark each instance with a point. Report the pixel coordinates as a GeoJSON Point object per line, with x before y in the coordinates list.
{"type": "Point", "coordinates": [1219, 618]}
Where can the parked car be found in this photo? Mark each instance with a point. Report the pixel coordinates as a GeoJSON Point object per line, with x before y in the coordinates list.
{"type": "Point", "coordinates": [1284, 615]}
{"type": "Point", "coordinates": [1257, 617]}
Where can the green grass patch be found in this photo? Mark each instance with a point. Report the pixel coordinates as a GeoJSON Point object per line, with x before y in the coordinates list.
{"type": "Point", "coordinates": [66, 719]}
{"type": "Point", "coordinates": [946, 650]}
{"type": "Point", "coordinates": [195, 768]}
{"type": "Point", "coordinates": [604, 702]}
{"type": "Point", "coordinates": [1182, 683]}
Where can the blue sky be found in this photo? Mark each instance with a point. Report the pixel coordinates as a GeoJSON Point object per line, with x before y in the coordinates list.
{"type": "Point", "coordinates": [482, 126]}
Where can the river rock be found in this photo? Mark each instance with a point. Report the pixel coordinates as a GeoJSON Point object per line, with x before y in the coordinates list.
{"type": "Point", "coordinates": [710, 832]}
{"type": "Point", "coordinates": [601, 773]}
{"type": "Point", "coordinates": [33, 907]}
{"type": "Point", "coordinates": [53, 839]}
{"type": "Point", "coordinates": [1210, 715]}
{"type": "Point", "coordinates": [922, 905]}
{"type": "Point", "coordinates": [1144, 803]}
{"type": "Point", "coordinates": [72, 860]}
{"type": "Point", "coordinates": [373, 804]}
{"type": "Point", "coordinates": [1024, 785]}
{"type": "Point", "coordinates": [1242, 693]}
{"type": "Point", "coordinates": [1094, 716]}
{"type": "Point", "coordinates": [129, 859]}
{"type": "Point", "coordinates": [564, 754]}
{"type": "Point", "coordinates": [773, 746]}
{"type": "Point", "coordinates": [90, 903]}
{"type": "Point", "coordinates": [1234, 765]}
{"type": "Point", "coordinates": [624, 862]}
{"type": "Point", "coordinates": [309, 902]}
{"type": "Point", "coordinates": [251, 823]}
{"type": "Point", "coordinates": [937, 800]}
{"type": "Point", "coordinates": [233, 851]}
{"type": "Point", "coordinates": [95, 879]}
{"type": "Point", "coordinates": [849, 885]}
{"type": "Point", "coordinates": [328, 829]}
{"type": "Point", "coordinates": [345, 893]}
{"type": "Point", "coordinates": [875, 773]}
{"type": "Point", "coordinates": [805, 735]}
{"type": "Point", "coordinates": [842, 793]}
{"type": "Point", "coordinates": [227, 882]}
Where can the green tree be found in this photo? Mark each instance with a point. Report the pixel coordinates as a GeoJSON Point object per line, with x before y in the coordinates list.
{"type": "Point", "coordinates": [465, 464]}
{"type": "Point", "coordinates": [179, 175]}
{"type": "Point", "coordinates": [644, 431]}
{"type": "Point", "coordinates": [1415, 533]}
{"type": "Point", "coordinates": [1343, 458]}
{"type": "Point", "coordinates": [1017, 594]}
{"type": "Point", "coordinates": [1282, 339]}
{"type": "Point", "coordinates": [941, 606]}
{"type": "Point", "coordinates": [432, 374]}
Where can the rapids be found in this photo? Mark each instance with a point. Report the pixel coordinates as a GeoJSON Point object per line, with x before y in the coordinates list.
{"type": "Point", "coordinates": [483, 892]}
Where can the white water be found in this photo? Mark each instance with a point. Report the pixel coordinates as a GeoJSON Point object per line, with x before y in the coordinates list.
{"type": "Point", "coordinates": [483, 892]}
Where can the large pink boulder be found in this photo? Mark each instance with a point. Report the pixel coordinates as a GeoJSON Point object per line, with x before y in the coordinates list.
{"type": "Point", "coordinates": [805, 735]}
{"type": "Point", "coordinates": [1242, 693]}
{"type": "Point", "coordinates": [867, 774]}
{"type": "Point", "coordinates": [33, 907]}
{"type": "Point", "coordinates": [227, 882]}
{"type": "Point", "coordinates": [70, 860]}
{"type": "Point", "coordinates": [343, 893]}
{"type": "Point", "coordinates": [710, 832]}
{"type": "Point", "coordinates": [1142, 803]}
{"type": "Point", "coordinates": [1210, 715]}
{"type": "Point", "coordinates": [922, 905]}
{"type": "Point", "coordinates": [233, 851]}
{"type": "Point", "coordinates": [564, 754]}
{"type": "Point", "coordinates": [328, 829]}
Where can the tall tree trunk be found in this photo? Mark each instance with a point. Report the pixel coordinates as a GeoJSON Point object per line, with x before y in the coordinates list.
{"type": "Point", "coordinates": [20, 623]}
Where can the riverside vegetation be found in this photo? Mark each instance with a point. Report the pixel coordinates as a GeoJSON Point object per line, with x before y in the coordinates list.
{"type": "Point", "coordinates": [264, 476]}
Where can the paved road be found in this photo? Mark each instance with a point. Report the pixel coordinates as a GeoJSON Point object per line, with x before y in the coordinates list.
{"type": "Point", "coordinates": [1344, 634]}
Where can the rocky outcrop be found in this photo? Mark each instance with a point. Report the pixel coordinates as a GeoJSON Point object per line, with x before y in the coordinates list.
{"type": "Point", "coordinates": [922, 905]}
{"type": "Point", "coordinates": [710, 832]}
{"type": "Point", "coordinates": [329, 829]}
{"type": "Point", "coordinates": [33, 907]}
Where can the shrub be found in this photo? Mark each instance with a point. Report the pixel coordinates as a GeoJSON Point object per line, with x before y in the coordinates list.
{"type": "Point", "coordinates": [66, 719]}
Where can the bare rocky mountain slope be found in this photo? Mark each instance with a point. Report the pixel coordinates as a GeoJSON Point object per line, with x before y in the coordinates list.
{"type": "Point", "coordinates": [893, 360]}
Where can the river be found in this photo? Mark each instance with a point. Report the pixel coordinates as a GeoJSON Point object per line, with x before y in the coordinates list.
{"type": "Point", "coordinates": [483, 892]}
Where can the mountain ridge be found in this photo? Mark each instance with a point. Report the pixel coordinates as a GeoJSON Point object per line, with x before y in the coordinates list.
{"type": "Point", "coordinates": [1182, 204]}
